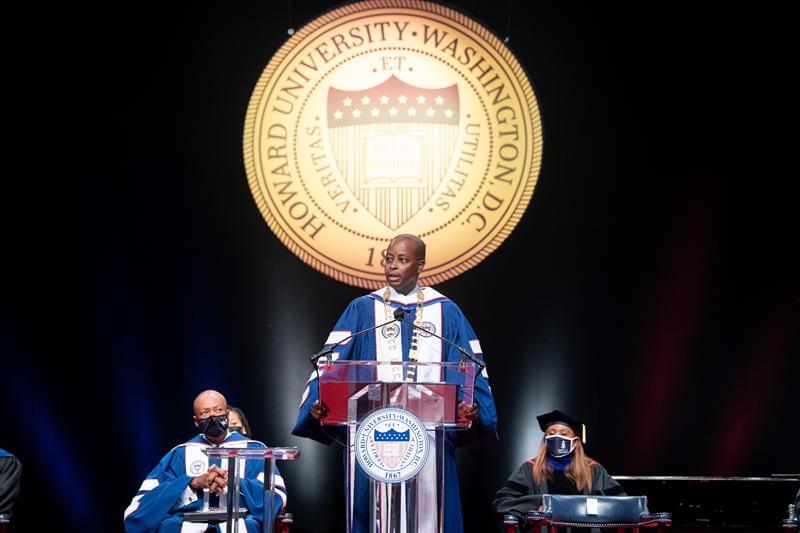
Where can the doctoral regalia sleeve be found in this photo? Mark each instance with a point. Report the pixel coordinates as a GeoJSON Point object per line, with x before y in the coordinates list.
{"type": "Point", "coordinates": [10, 476]}
{"type": "Point", "coordinates": [518, 496]}
{"type": "Point", "coordinates": [485, 427]}
{"type": "Point", "coordinates": [158, 495]}
{"type": "Point", "coordinates": [350, 322]}
{"type": "Point", "coordinates": [603, 483]}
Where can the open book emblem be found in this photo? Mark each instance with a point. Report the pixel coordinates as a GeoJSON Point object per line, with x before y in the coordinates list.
{"type": "Point", "coordinates": [392, 446]}
{"type": "Point", "coordinates": [393, 144]}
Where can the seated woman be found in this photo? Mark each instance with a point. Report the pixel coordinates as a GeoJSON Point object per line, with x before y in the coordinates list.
{"type": "Point", "coordinates": [560, 467]}
{"type": "Point", "coordinates": [238, 422]}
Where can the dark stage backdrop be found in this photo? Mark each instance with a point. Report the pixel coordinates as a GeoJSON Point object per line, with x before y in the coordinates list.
{"type": "Point", "coordinates": [651, 288]}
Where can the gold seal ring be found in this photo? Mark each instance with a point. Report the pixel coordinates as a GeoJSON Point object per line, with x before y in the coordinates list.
{"type": "Point", "coordinates": [386, 117]}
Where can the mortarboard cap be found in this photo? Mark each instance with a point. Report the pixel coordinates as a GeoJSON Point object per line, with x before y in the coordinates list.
{"type": "Point", "coordinates": [558, 417]}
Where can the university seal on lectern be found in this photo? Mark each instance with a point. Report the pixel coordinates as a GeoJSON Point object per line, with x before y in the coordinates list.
{"type": "Point", "coordinates": [387, 117]}
{"type": "Point", "coordinates": [391, 445]}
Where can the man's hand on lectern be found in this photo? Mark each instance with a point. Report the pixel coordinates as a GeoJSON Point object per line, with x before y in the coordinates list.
{"type": "Point", "coordinates": [467, 412]}
{"type": "Point", "coordinates": [318, 410]}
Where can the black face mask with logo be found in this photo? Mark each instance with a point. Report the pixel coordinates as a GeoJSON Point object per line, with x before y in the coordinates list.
{"type": "Point", "coordinates": [214, 427]}
{"type": "Point", "coordinates": [558, 446]}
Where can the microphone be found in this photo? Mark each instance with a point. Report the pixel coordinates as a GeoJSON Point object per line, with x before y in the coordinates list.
{"type": "Point", "coordinates": [325, 351]}
{"type": "Point", "coordinates": [400, 314]}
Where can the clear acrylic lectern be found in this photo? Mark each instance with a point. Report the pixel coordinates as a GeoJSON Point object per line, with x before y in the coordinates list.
{"type": "Point", "coordinates": [233, 456]}
{"type": "Point", "coordinates": [381, 405]}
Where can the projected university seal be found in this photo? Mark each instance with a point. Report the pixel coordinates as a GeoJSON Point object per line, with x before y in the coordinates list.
{"type": "Point", "coordinates": [379, 118]}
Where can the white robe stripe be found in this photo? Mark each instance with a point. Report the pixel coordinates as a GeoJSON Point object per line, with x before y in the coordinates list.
{"type": "Point", "coordinates": [429, 294]}
{"type": "Point", "coordinates": [133, 506]}
{"type": "Point", "coordinates": [279, 482]}
{"type": "Point", "coordinates": [282, 495]}
{"type": "Point", "coordinates": [148, 485]}
{"type": "Point", "coordinates": [194, 527]}
{"type": "Point", "coordinates": [304, 397]}
{"type": "Point", "coordinates": [223, 526]}
{"type": "Point", "coordinates": [312, 377]}
{"type": "Point", "coordinates": [338, 336]}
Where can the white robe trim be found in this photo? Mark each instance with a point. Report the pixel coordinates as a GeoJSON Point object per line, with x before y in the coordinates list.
{"type": "Point", "coordinates": [429, 293]}
{"type": "Point", "coordinates": [430, 348]}
{"type": "Point", "coordinates": [133, 506]}
{"type": "Point", "coordinates": [148, 485]}
{"type": "Point", "coordinates": [338, 336]}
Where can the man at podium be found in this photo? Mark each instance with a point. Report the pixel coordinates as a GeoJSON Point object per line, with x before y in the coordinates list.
{"type": "Point", "coordinates": [186, 481]}
{"type": "Point", "coordinates": [433, 313]}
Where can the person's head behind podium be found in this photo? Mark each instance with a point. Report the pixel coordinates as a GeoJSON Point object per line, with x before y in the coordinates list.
{"type": "Point", "coordinates": [562, 446]}
{"type": "Point", "coordinates": [211, 415]}
{"type": "Point", "coordinates": [238, 422]}
{"type": "Point", "coordinates": [405, 259]}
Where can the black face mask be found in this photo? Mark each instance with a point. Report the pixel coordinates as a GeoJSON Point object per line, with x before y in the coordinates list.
{"type": "Point", "coordinates": [214, 427]}
{"type": "Point", "coordinates": [237, 429]}
{"type": "Point", "coordinates": [559, 446]}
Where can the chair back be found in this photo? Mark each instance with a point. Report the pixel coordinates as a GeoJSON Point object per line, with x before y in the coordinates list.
{"type": "Point", "coordinates": [594, 509]}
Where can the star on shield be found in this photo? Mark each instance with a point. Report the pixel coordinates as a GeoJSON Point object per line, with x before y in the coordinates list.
{"type": "Point", "coordinates": [392, 446]}
{"type": "Point", "coordinates": [392, 152]}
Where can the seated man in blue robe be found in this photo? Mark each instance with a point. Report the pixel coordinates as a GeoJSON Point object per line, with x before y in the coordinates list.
{"type": "Point", "coordinates": [433, 312]}
{"type": "Point", "coordinates": [185, 480]}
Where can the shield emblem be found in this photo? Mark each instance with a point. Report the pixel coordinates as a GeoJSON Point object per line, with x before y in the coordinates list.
{"type": "Point", "coordinates": [393, 144]}
{"type": "Point", "coordinates": [392, 446]}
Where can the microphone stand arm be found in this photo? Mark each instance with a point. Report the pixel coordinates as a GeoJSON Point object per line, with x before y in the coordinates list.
{"type": "Point", "coordinates": [329, 350]}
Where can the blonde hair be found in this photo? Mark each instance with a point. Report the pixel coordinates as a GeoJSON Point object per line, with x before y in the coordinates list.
{"type": "Point", "coordinates": [579, 470]}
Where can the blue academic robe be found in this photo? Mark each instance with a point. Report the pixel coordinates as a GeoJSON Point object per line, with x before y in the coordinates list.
{"type": "Point", "coordinates": [444, 318]}
{"type": "Point", "coordinates": [166, 492]}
